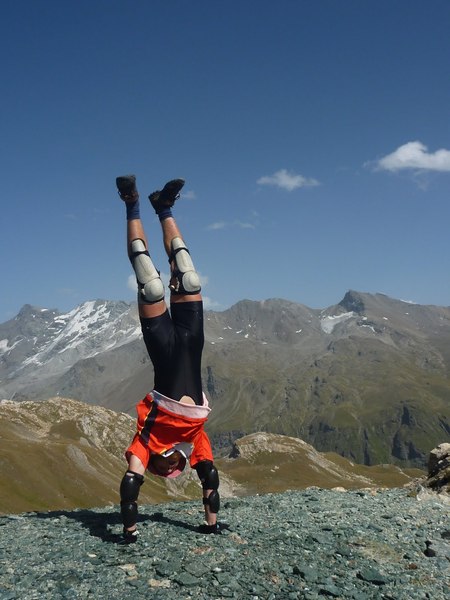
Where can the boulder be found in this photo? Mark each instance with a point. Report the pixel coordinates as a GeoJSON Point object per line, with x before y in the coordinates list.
{"type": "Point", "coordinates": [439, 468]}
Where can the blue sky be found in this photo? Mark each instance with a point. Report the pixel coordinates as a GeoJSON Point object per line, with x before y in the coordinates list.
{"type": "Point", "coordinates": [314, 137]}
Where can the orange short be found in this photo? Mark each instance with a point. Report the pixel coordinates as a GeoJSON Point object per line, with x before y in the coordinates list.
{"type": "Point", "coordinates": [162, 423]}
{"type": "Point", "coordinates": [139, 449]}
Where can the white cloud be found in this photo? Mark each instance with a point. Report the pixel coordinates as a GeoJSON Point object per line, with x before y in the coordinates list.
{"type": "Point", "coordinates": [243, 225]}
{"type": "Point", "coordinates": [225, 225]}
{"type": "Point", "coordinates": [217, 225]}
{"type": "Point", "coordinates": [210, 304]}
{"type": "Point", "coordinates": [415, 155]}
{"type": "Point", "coordinates": [203, 279]}
{"type": "Point", "coordinates": [189, 195]}
{"type": "Point", "coordinates": [131, 283]}
{"type": "Point", "coordinates": [287, 181]}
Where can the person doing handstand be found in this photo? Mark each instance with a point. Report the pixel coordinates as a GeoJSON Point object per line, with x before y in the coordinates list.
{"type": "Point", "coordinates": [171, 418]}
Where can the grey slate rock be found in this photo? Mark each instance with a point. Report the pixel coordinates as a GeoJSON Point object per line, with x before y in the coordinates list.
{"type": "Point", "coordinates": [276, 548]}
{"type": "Point", "coordinates": [372, 576]}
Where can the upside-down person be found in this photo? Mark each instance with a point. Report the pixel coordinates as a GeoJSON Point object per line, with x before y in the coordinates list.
{"type": "Point", "coordinates": [171, 418]}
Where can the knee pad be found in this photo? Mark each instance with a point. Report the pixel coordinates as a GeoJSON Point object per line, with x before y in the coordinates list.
{"type": "Point", "coordinates": [185, 279]}
{"type": "Point", "coordinates": [208, 475]}
{"type": "Point", "coordinates": [150, 286]}
{"type": "Point", "coordinates": [213, 501]}
{"type": "Point", "coordinates": [129, 492]}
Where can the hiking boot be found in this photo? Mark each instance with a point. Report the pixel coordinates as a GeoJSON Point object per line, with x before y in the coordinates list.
{"type": "Point", "coordinates": [213, 529]}
{"type": "Point", "coordinates": [167, 196]}
{"type": "Point", "coordinates": [127, 189]}
{"type": "Point", "coordinates": [128, 537]}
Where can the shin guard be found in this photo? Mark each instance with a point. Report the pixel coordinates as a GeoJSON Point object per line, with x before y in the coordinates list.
{"type": "Point", "coordinates": [150, 286]}
{"type": "Point", "coordinates": [209, 478]}
{"type": "Point", "coordinates": [129, 492]}
{"type": "Point", "coordinates": [185, 279]}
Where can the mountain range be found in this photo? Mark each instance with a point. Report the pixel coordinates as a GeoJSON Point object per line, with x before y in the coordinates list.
{"type": "Point", "coordinates": [367, 378]}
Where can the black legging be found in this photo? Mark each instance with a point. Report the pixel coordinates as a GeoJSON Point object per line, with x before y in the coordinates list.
{"type": "Point", "coordinates": [174, 344]}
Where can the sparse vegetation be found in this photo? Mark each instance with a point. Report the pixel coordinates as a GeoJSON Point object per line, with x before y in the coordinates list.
{"type": "Point", "coordinates": [63, 454]}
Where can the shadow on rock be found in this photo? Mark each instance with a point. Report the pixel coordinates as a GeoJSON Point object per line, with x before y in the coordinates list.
{"type": "Point", "coordinates": [97, 523]}
{"type": "Point", "coordinates": [160, 518]}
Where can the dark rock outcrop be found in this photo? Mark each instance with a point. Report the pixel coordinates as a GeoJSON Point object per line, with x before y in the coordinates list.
{"type": "Point", "coordinates": [439, 469]}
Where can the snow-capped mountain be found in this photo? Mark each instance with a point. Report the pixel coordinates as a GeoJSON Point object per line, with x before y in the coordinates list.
{"type": "Point", "coordinates": [41, 344]}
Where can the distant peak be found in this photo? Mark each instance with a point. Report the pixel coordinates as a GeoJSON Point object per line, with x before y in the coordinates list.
{"type": "Point", "coordinates": [353, 301]}
{"type": "Point", "coordinates": [28, 310]}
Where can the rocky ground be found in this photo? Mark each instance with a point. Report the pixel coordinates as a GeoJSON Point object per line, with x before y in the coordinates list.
{"type": "Point", "coordinates": [392, 544]}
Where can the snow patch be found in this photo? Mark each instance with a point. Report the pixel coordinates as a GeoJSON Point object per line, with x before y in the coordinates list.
{"type": "Point", "coordinates": [328, 323]}
{"type": "Point", "coordinates": [369, 327]}
{"type": "Point", "coordinates": [4, 347]}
